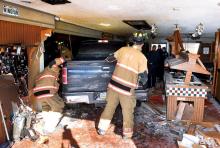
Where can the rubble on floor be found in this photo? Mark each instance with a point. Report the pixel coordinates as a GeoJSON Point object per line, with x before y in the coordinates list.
{"type": "Point", "coordinates": [151, 130]}
{"type": "Point", "coordinates": [77, 128]}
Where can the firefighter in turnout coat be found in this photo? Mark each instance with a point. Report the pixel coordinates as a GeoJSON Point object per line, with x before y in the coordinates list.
{"type": "Point", "coordinates": [46, 87]}
{"type": "Point", "coordinates": [131, 64]}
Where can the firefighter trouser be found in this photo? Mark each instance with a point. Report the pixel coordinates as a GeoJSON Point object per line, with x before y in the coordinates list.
{"type": "Point", "coordinates": [128, 104]}
{"type": "Point", "coordinates": [54, 103]}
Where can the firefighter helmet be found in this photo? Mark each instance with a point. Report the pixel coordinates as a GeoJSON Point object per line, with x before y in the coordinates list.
{"type": "Point", "coordinates": [139, 37]}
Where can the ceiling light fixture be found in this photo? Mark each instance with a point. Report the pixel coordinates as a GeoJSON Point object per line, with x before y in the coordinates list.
{"type": "Point", "coordinates": [102, 41]}
{"type": "Point", "coordinates": [198, 31]}
{"type": "Point", "coordinates": [154, 31]}
{"type": "Point", "coordinates": [177, 27]}
{"type": "Point", "coordinates": [105, 24]}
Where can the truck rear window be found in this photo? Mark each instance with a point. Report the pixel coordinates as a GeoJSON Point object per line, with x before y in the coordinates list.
{"type": "Point", "coordinates": [97, 51]}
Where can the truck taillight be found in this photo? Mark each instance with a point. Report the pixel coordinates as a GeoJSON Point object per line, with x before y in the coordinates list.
{"type": "Point", "coordinates": [64, 75]}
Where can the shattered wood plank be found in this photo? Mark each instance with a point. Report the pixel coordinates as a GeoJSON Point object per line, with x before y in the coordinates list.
{"type": "Point", "coordinates": [218, 141]}
{"type": "Point", "coordinates": [204, 124]}
{"type": "Point", "coordinates": [149, 108]}
{"type": "Point", "coordinates": [212, 134]}
{"type": "Point", "coordinates": [191, 129]}
{"type": "Point", "coordinates": [196, 146]}
{"type": "Point", "coordinates": [156, 108]}
{"type": "Point", "coordinates": [188, 112]}
{"type": "Point", "coordinates": [217, 127]}
{"type": "Point", "coordinates": [180, 110]}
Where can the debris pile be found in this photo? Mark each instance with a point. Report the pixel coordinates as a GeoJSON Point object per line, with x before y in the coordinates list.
{"type": "Point", "coordinates": [156, 123]}
{"type": "Point", "coordinates": [204, 135]}
{"type": "Point", "coordinates": [23, 119]}
{"type": "Point", "coordinates": [151, 129]}
{"type": "Point", "coordinates": [187, 134]}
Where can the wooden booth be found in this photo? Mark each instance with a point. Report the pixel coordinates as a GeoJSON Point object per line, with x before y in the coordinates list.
{"type": "Point", "coordinates": [184, 92]}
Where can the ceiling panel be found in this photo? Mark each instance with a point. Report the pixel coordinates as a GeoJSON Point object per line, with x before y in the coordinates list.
{"type": "Point", "coordinates": [90, 13]}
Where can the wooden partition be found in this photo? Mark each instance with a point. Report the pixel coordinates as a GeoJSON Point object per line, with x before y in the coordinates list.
{"type": "Point", "coordinates": [216, 76]}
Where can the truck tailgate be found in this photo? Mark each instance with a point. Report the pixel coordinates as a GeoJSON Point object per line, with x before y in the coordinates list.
{"type": "Point", "coordinates": [86, 76]}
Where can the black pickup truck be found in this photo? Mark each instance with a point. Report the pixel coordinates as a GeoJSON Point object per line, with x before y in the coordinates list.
{"type": "Point", "coordinates": [85, 79]}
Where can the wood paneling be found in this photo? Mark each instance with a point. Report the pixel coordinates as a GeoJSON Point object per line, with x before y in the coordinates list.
{"type": "Point", "coordinates": [19, 33]}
